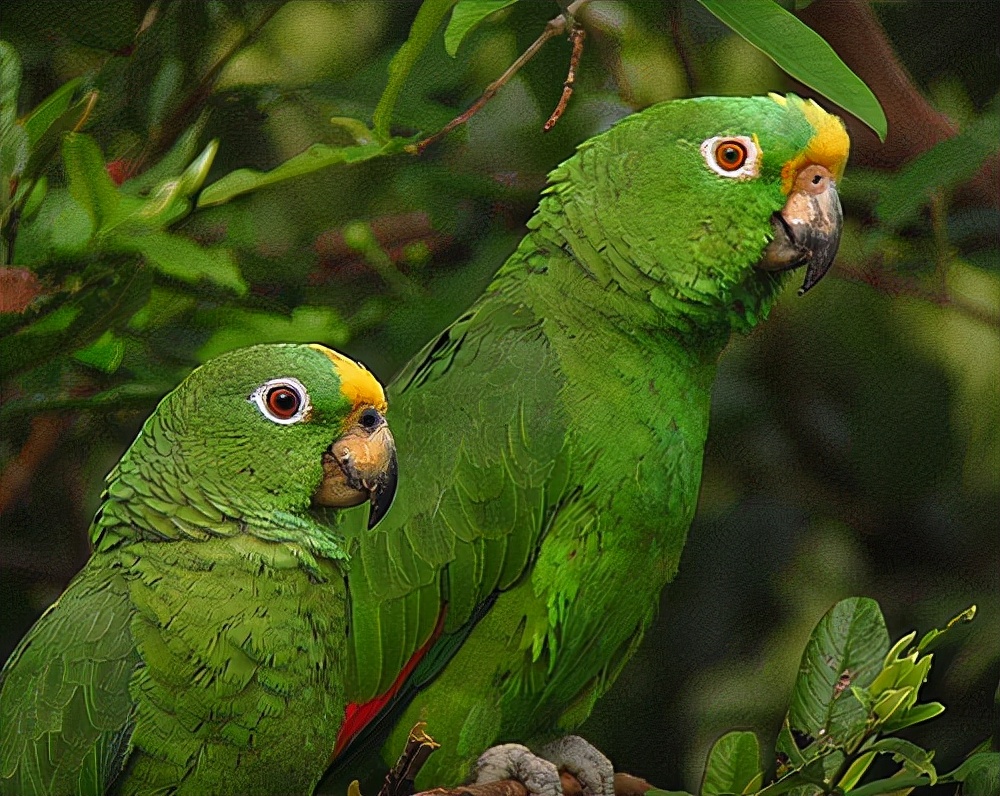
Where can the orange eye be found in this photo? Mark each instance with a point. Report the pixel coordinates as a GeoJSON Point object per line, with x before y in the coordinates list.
{"type": "Point", "coordinates": [283, 402]}
{"type": "Point", "coordinates": [730, 155]}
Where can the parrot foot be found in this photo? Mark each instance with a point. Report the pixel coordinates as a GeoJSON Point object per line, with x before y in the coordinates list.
{"type": "Point", "coordinates": [513, 761]}
{"type": "Point", "coordinates": [540, 773]}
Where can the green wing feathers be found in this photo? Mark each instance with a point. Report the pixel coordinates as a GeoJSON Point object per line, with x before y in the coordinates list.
{"type": "Point", "coordinates": [473, 497]}
{"type": "Point", "coordinates": [65, 708]}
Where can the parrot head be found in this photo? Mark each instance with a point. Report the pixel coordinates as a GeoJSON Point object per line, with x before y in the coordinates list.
{"type": "Point", "coordinates": [710, 200]}
{"type": "Point", "coordinates": [277, 427]}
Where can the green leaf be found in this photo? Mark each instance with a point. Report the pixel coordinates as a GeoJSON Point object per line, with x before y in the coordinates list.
{"type": "Point", "coordinates": [183, 259]}
{"type": "Point", "coordinates": [856, 771]}
{"type": "Point", "coordinates": [914, 715]}
{"type": "Point", "coordinates": [890, 785]}
{"type": "Point", "coordinates": [421, 31]}
{"type": "Point", "coordinates": [466, 15]}
{"type": "Point", "coordinates": [658, 792]}
{"type": "Point", "coordinates": [246, 327]}
{"type": "Point", "coordinates": [895, 652]}
{"type": "Point", "coordinates": [10, 85]}
{"type": "Point", "coordinates": [950, 163]}
{"type": "Point", "coordinates": [933, 637]}
{"type": "Point", "coordinates": [893, 703]}
{"type": "Point", "coordinates": [169, 201]}
{"type": "Point", "coordinates": [812, 774]}
{"type": "Point", "coordinates": [316, 157]}
{"type": "Point", "coordinates": [51, 137]}
{"type": "Point", "coordinates": [95, 309]}
{"type": "Point", "coordinates": [89, 183]}
{"type": "Point", "coordinates": [105, 353]}
{"type": "Point", "coordinates": [171, 164]}
{"type": "Point", "coordinates": [979, 774]}
{"type": "Point", "coordinates": [851, 639]}
{"type": "Point", "coordinates": [912, 755]}
{"type": "Point", "coordinates": [49, 109]}
{"type": "Point", "coordinates": [733, 765]}
{"type": "Point", "coordinates": [802, 53]}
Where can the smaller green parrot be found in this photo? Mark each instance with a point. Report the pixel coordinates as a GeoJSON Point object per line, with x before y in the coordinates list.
{"type": "Point", "coordinates": [202, 648]}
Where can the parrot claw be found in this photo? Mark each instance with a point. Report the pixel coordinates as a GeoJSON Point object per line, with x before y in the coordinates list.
{"type": "Point", "coordinates": [540, 773]}
{"type": "Point", "coordinates": [514, 761]}
{"type": "Point", "coordinates": [585, 762]}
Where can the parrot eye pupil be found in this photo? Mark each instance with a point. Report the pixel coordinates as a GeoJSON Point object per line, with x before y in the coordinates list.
{"type": "Point", "coordinates": [731, 155]}
{"type": "Point", "coordinates": [283, 401]}
{"type": "Point", "coordinates": [369, 419]}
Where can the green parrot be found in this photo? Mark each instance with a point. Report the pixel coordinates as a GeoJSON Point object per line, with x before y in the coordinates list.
{"type": "Point", "coordinates": [551, 438]}
{"type": "Point", "coordinates": [202, 648]}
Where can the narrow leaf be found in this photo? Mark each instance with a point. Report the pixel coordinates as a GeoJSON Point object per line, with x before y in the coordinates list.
{"type": "Point", "coordinates": [856, 771]}
{"type": "Point", "coordinates": [50, 109]}
{"type": "Point", "coordinates": [316, 157]}
{"type": "Point", "coordinates": [466, 15]}
{"type": "Point", "coordinates": [89, 183]}
{"type": "Point", "coordinates": [978, 773]}
{"type": "Point", "coordinates": [184, 259]}
{"type": "Point", "coordinates": [933, 637]}
{"type": "Point", "coordinates": [914, 715]}
{"type": "Point", "coordinates": [889, 785]}
{"type": "Point", "coordinates": [733, 764]}
{"type": "Point", "coordinates": [851, 640]}
{"type": "Point", "coordinates": [423, 28]}
{"type": "Point", "coordinates": [802, 53]}
{"type": "Point", "coordinates": [49, 138]}
{"type": "Point", "coordinates": [903, 751]}
{"type": "Point", "coordinates": [10, 84]}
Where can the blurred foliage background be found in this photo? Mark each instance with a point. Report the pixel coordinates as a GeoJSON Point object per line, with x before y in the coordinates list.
{"type": "Point", "coordinates": [855, 438]}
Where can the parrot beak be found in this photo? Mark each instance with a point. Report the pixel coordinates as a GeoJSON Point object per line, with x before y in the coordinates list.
{"type": "Point", "coordinates": [359, 466]}
{"type": "Point", "coordinates": [807, 230]}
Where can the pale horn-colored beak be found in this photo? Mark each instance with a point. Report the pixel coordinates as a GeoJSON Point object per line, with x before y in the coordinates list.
{"type": "Point", "coordinates": [807, 229]}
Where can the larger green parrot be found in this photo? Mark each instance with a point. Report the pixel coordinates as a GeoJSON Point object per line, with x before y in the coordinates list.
{"type": "Point", "coordinates": [551, 439]}
{"type": "Point", "coordinates": [201, 650]}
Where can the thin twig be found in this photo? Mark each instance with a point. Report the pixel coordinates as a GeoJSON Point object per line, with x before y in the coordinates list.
{"type": "Point", "coordinates": [576, 36]}
{"type": "Point", "coordinates": [160, 138]}
{"type": "Point", "coordinates": [554, 27]}
{"type": "Point", "coordinates": [892, 284]}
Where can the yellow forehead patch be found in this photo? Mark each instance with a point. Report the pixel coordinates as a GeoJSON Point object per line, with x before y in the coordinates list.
{"type": "Point", "coordinates": [829, 145]}
{"type": "Point", "coordinates": [357, 384]}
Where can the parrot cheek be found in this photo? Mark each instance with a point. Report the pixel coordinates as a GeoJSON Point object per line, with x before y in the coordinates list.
{"type": "Point", "coordinates": [360, 466]}
{"type": "Point", "coordinates": [807, 229]}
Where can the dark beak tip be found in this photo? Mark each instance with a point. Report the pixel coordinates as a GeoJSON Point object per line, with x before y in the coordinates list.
{"type": "Point", "coordinates": [382, 494]}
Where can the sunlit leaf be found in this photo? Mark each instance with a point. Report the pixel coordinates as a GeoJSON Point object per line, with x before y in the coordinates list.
{"type": "Point", "coordinates": [856, 771]}
{"type": "Point", "coordinates": [105, 353]}
{"type": "Point", "coordinates": [426, 23]}
{"type": "Point", "coordinates": [49, 109]}
{"type": "Point", "coordinates": [316, 157]}
{"type": "Point", "coordinates": [466, 15]}
{"type": "Point", "coordinates": [850, 641]}
{"type": "Point", "coordinates": [183, 259]}
{"type": "Point", "coordinates": [914, 715]}
{"type": "Point", "coordinates": [88, 180]}
{"type": "Point", "coordinates": [950, 163]}
{"type": "Point", "coordinates": [49, 139]}
{"type": "Point", "coordinates": [733, 765]}
{"type": "Point", "coordinates": [802, 53]}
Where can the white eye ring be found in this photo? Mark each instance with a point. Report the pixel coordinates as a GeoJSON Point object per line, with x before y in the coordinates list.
{"type": "Point", "coordinates": [268, 396]}
{"type": "Point", "coordinates": [748, 169]}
